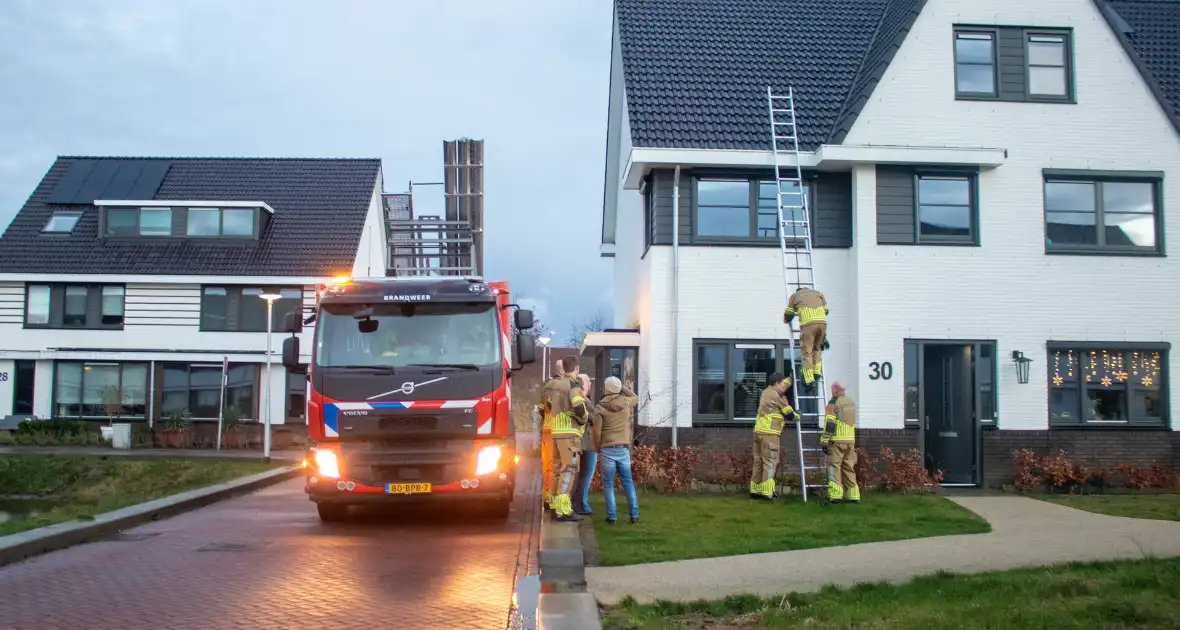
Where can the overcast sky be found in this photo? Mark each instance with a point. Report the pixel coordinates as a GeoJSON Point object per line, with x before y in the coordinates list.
{"type": "Point", "coordinates": [348, 78]}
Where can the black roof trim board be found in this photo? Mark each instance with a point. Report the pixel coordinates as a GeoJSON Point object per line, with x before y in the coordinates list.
{"type": "Point", "coordinates": [1166, 55]}
{"type": "Point", "coordinates": [887, 40]}
{"type": "Point", "coordinates": [320, 210]}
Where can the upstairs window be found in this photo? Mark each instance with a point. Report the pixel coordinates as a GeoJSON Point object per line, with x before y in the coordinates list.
{"type": "Point", "coordinates": [242, 309]}
{"type": "Point", "coordinates": [747, 209]}
{"type": "Point", "coordinates": [1047, 72]}
{"type": "Point", "coordinates": [62, 222]}
{"type": "Point", "coordinates": [1102, 214]}
{"type": "Point", "coordinates": [220, 222]}
{"type": "Point", "coordinates": [975, 63]}
{"type": "Point", "coordinates": [139, 222]}
{"type": "Point", "coordinates": [84, 306]}
{"type": "Point", "coordinates": [1010, 63]}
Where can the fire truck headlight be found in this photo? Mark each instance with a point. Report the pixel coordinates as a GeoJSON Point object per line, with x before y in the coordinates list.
{"type": "Point", "coordinates": [488, 461]}
{"type": "Point", "coordinates": [327, 464]}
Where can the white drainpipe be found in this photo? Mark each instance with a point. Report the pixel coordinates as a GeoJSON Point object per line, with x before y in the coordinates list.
{"type": "Point", "coordinates": [675, 300]}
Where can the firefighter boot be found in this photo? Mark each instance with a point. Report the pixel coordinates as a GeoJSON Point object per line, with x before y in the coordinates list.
{"type": "Point", "coordinates": [853, 494]}
{"type": "Point", "coordinates": [835, 492]}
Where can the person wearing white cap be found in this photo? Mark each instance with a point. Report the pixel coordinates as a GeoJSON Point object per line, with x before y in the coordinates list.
{"type": "Point", "coordinates": [612, 437]}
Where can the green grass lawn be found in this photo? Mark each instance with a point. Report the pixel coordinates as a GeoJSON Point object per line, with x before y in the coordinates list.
{"type": "Point", "coordinates": [66, 488]}
{"type": "Point", "coordinates": [1164, 507]}
{"type": "Point", "coordinates": [1130, 594]}
{"type": "Point", "coordinates": [678, 527]}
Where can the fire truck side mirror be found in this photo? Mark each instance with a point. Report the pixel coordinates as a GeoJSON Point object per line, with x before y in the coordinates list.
{"type": "Point", "coordinates": [291, 352]}
{"type": "Point", "coordinates": [290, 323]}
{"type": "Point", "coordinates": [524, 319]}
{"type": "Point", "coordinates": [526, 348]}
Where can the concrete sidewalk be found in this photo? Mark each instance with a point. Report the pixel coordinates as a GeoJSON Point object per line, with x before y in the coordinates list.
{"type": "Point", "coordinates": [1025, 532]}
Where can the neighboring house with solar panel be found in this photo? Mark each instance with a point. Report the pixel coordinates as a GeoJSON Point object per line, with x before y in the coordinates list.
{"type": "Point", "coordinates": [126, 282]}
{"type": "Point", "coordinates": [987, 186]}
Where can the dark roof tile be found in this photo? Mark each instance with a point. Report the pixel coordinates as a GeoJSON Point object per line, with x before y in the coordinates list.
{"type": "Point", "coordinates": [696, 71]}
{"type": "Point", "coordinates": [1150, 31]}
{"type": "Point", "coordinates": [320, 208]}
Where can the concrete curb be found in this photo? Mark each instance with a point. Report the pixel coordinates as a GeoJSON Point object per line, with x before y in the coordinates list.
{"type": "Point", "coordinates": [22, 545]}
{"type": "Point", "coordinates": [564, 603]}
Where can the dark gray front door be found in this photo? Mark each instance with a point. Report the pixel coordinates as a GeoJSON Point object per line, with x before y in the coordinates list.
{"type": "Point", "coordinates": [950, 411]}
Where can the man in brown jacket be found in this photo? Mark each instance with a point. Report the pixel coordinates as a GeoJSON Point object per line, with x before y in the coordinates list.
{"type": "Point", "coordinates": [612, 438]}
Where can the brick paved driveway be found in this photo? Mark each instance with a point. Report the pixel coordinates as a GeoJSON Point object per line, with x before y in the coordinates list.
{"type": "Point", "coordinates": [264, 561]}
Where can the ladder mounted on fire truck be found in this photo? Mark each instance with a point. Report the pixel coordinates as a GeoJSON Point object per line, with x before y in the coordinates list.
{"type": "Point", "coordinates": [795, 242]}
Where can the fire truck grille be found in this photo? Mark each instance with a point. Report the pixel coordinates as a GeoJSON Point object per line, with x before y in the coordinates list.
{"type": "Point", "coordinates": [408, 423]}
{"type": "Point", "coordinates": [432, 473]}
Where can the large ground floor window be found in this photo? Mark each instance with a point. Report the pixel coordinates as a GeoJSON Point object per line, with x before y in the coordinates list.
{"type": "Point", "coordinates": [196, 389]}
{"type": "Point", "coordinates": [1107, 384]}
{"type": "Point", "coordinates": [729, 376]}
{"type": "Point", "coordinates": [98, 390]}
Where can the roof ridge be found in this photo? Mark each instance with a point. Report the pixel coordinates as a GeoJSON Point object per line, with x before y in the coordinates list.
{"type": "Point", "coordinates": [217, 157]}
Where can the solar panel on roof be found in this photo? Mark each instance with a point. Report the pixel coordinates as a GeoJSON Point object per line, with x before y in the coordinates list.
{"type": "Point", "coordinates": [72, 181]}
{"type": "Point", "coordinates": [149, 180]}
{"type": "Point", "coordinates": [97, 182]}
{"type": "Point", "coordinates": [124, 180]}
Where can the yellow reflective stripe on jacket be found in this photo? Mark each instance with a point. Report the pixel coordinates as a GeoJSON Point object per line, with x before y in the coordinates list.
{"type": "Point", "coordinates": [844, 432]}
{"type": "Point", "coordinates": [809, 314]}
{"type": "Point", "coordinates": [772, 423]}
{"type": "Point", "coordinates": [564, 424]}
{"type": "Point", "coordinates": [547, 422]}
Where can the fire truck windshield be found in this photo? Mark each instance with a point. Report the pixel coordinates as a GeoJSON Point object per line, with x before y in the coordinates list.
{"type": "Point", "coordinates": [418, 334]}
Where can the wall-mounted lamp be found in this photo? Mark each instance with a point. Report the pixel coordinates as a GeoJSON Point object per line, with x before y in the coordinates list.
{"type": "Point", "coordinates": [1022, 362]}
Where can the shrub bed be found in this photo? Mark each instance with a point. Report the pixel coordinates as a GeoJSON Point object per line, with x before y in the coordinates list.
{"type": "Point", "coordinates": [1059, 473]}
{"type": "Point", "coordinates": [683, 469]}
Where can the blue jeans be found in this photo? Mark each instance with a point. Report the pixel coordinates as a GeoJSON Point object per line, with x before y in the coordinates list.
{"type": "Point", "coordinates": [618, 458]}
{"type": "Point", "coordinates": [585, 476]}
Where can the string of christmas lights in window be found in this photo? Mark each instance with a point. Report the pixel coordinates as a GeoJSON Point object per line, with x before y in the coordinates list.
{"type": "Point", "coordinates": [1145, 367]}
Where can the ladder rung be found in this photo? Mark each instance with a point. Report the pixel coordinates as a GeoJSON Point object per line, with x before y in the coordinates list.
{"type": "Point", "coordinates": [813, 450]}
{"type": "Point", "coordinates": [817, 485]}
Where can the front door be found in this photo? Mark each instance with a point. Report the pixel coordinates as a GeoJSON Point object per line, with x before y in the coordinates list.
{"type": "Point", "coordinates": [24, 376]}
{"type": "Point", "coordinates": [949, 383]}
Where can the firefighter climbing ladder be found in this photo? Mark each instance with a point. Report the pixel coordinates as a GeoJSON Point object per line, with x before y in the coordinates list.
{"type": "Point", "coordinates": [798, 269]}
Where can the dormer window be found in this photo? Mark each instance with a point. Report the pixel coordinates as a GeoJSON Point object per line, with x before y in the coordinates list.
{"type": "Point", "coordinates": [139, 222]}
{"type": "Point", "coordinates": [221, 221]}
{"type": "Point", "coordinates": [62, 222]}
{"type": "Point", "coordinates": [184, 219]}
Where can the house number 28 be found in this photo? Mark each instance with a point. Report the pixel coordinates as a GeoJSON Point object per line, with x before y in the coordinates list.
{"type": "Point", "coordinates": [3, 376]}
{"type": "Point", "coordinates": [882, 371]}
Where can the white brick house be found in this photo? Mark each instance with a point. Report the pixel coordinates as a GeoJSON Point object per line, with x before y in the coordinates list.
{"type": "Point", "coordinates": [959, 156]}
{"type": "Point", "coordinates": [138, 277]}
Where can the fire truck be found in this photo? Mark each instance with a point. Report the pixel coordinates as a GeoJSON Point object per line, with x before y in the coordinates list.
{"type": "Point", "coordinates": [410, 392]}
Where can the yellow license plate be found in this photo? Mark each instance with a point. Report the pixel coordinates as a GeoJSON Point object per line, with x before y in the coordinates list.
{"type": "Point", "coordinates": [407, 488]}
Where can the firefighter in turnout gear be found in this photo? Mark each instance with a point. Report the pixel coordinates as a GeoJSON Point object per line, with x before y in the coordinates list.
{"type": "Point", "coordinates": [773, 412]}
{"type": "Point", "coordinates": [812, 309]}
{"type": "Point", "coordinates": [571, 412]}
{"type": "Point", "coordinates": [545, 403]}
{"type": "Point", "coordinates": [839, 442]}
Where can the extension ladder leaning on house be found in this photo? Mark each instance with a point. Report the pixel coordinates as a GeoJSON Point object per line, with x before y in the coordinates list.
{"type": "Point", "coordinates": [795, 242]}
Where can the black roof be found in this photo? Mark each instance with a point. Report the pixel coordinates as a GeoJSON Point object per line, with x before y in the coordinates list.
{"type": "Point", "coordinates": [1150, 31]}
{"type": "Point", "coordinates": [696, 71]}
{"type": "Point", "coordinates": [320, 209]}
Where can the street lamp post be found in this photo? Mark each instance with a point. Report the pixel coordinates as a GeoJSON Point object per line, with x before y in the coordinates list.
{"type": "Point", "coordinates": [270, 304]}
{"type": "Point", "coordinates": [544, 339]}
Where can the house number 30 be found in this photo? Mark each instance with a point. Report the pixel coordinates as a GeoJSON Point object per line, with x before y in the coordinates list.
{"type": "Point", "coordinates": [882, 371]}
